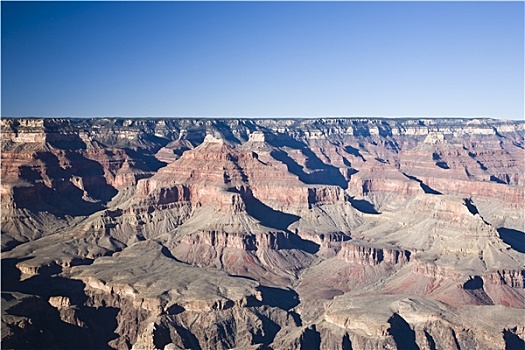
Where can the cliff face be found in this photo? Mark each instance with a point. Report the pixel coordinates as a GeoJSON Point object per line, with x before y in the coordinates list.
{"type": "Point", "coordinates": [373, 256]}
{"type": "Point", "coordinates": [280, 233]}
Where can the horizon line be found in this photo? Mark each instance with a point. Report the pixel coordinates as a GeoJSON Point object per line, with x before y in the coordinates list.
{"type": "Point", "coordinates": [267, 117]}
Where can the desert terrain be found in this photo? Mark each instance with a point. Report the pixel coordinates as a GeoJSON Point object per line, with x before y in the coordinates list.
{"type": "Point", "coordinates": [327, 233]}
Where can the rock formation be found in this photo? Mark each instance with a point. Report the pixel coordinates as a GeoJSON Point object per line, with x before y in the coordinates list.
{"type": "Point", "coordinates": [270, 233]}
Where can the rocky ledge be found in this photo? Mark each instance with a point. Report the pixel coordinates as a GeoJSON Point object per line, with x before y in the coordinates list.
{"type": "Point", "coordinates": [325, 233]}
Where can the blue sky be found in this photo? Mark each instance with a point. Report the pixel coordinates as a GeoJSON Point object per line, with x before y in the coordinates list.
{"type": "Point", "coordinates": [248, 59]}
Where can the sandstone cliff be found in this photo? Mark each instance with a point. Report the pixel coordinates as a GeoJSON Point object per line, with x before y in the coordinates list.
{"type": "Point", "coordinates": [273, 233]}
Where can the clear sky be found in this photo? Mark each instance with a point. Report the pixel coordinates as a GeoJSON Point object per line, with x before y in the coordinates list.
{"type": "Point", "coordinates": [263, 59]}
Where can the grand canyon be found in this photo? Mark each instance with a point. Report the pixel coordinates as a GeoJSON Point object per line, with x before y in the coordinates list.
{"type": "Point", "coordinates": [327, 233]}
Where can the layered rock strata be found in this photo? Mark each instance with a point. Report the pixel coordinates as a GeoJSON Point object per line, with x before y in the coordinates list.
{"type": "Point", "coordinates": [322, 233]}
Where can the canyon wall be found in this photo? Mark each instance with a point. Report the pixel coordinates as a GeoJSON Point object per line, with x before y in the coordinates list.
{"type": "Point", "coordinates": [352, 233]}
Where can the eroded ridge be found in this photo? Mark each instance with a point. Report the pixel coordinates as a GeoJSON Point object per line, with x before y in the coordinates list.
{"type": "Point", "coordinates": [263, 233]}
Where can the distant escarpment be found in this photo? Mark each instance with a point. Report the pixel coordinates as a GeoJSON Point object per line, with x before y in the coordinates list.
{"type": "Point", "coordinates": [323, 233]}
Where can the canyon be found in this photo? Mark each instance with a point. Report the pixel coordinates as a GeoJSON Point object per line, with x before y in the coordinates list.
{"type": "Point", "coordinates": [326, 233]}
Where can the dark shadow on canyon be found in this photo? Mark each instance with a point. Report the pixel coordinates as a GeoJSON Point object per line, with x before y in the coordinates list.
{"type": "Point", "coordinates": [473, 283]}
{"type": "Point", "coordinates": [69, 142]}
{"type": "Point", "coordinates": [404, 336]}
{"type": "Point", "coordinates": [363, 205]}
{"type": "Point", "coordinates": [285, 299]}
{"type": "Point", "coordinates": [430, 340]}
{"type": "Point", "coordinates": [439, 161]}
{"type": "Point", "coordinates": [514, 238]}
{"type": "Point", "coordinates": [267, 216]}
{"type": "Point", "coordinates": [47, 329]}
{"type": "Point", "coordinates": [512, 341]}
{"type": "Point", "coordinates": [497, 180]}
{"type": "Point", "coordinates": [355, 152]}
{"type": "Point", "coordinates": [346, 343]}
{"type": "Point", "coordinates": [66, 193]}
{"type": "Point", "coordinates": [310, 339]}
{"type": "Point", "coordinates": [321, 173]}
{"type": "Point", "coordinates": [144, 160]}
{"type": "Point", "coordinates": [426, 188]}
{"type": "Point", "coordinates": [471, 207]}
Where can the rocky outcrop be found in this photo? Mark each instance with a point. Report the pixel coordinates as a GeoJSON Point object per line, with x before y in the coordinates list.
{"type": "Point", "coordinates": [512, 278]}
{"type": "Point", "coordinates": [322, 233]}
{"type": "Point", "coordinates": [434, 271]}
{"type": "Point", "coordinates": [224, 239]}
{"type": "Point", "coordinates": [416, 323]}
{"type": "Point", "coordinates": [359, 253]}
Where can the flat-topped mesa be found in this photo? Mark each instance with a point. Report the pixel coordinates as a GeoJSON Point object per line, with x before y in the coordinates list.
{"type": "Point", "coordinates": [366, 254]}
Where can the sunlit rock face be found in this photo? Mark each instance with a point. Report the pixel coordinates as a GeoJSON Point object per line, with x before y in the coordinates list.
{"type": "Point", "coordinates": [263, 233]}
